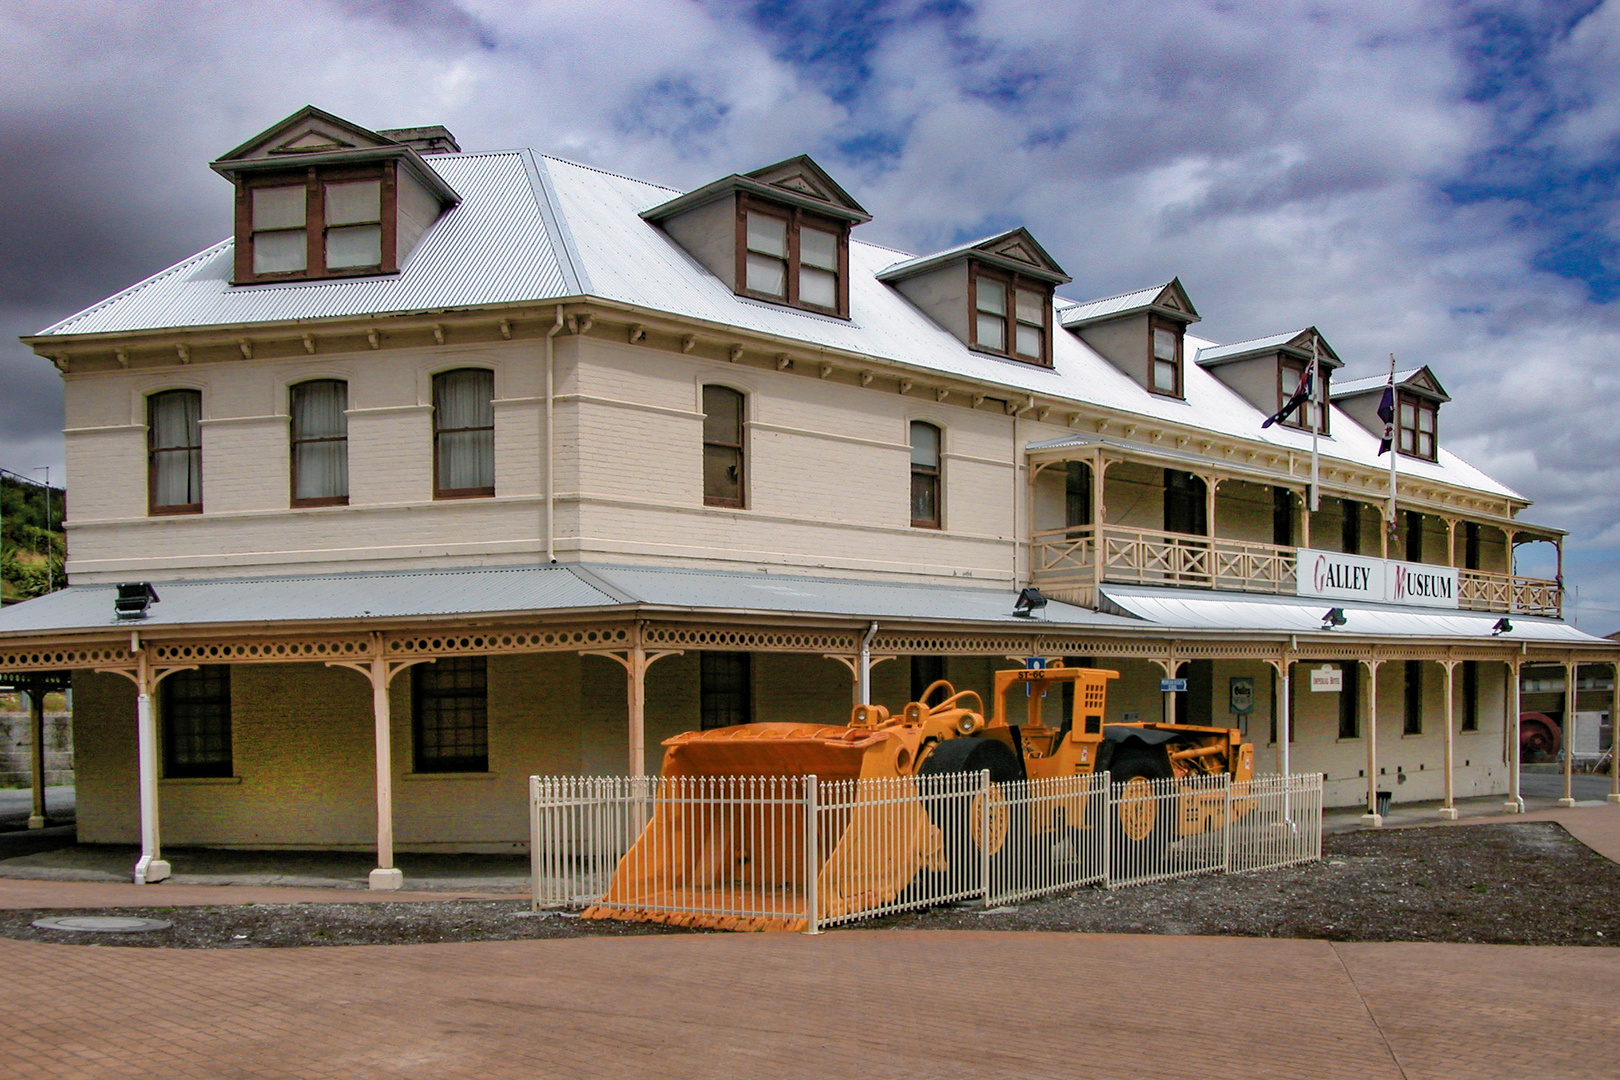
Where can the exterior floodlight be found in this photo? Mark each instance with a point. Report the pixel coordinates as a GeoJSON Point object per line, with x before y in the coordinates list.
{"type": "Point", "coordinates": [1028, 603]}
{"type": "Point", "coordinates": [133, 598]}
{"type": "Point", "coordinates": [1334, 617]}
{"type": "Point", "coordinates": [1502, 627]}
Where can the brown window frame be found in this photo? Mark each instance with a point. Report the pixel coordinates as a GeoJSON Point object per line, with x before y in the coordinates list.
{"type": "Point", "coordinates": [795, 218]}
{"type": "Point", "coordinates": [1289, 372]}
{"type": "Point", "coordinates": [1013, 282]}
{"type": "Point", "coordinates": [1156, 323]}
{"type": "Point", "coordinates": [934, 475]}
{"type": "Point", "coordinates": [152, 507]}
{"type": "Point", "coordinates": [442, 692]}
{"type": "Point", "coordinates": [315, 179]}
{"type": "Point", "coordinates": [740, 447]}
{"type": "Point", "coordinates": [198, 700]}
{"type": "Point", "coordinates": [461, 493]}
{"type": "Point", "coordinates": [1420, 405]}
{"type": "Point", "coordinates": [294, 442]}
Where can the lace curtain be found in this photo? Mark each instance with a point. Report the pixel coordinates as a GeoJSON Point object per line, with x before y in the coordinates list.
{"type": "Point", "coordinates": [464, 429]}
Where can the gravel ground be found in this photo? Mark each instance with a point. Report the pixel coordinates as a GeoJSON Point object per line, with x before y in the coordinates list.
{"type": "Point", "coordinates": [1521, 884]}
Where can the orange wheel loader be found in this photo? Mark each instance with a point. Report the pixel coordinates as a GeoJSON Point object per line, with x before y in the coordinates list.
{"type": "Point", "coordinates": [695, 859]}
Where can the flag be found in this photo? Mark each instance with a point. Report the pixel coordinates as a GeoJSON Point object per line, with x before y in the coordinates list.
{"type": "Point", "coordinates": [1386, 413]}
{"type": "Point", "coordinates": [1301, 394]}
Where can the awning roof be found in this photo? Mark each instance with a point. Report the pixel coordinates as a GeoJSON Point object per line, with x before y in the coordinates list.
{"type": "Point", "coordinates": [498, 591]}
{"type": "Point", "coordinates": [1217, 612]}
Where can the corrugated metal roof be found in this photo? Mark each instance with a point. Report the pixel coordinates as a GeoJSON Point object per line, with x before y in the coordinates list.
{"type": "Point", "coordinates": [491, 248]}
{"type": "Point", "coordinates": [728, 591]}
{"type": "Point", "coordinates": [1372, 382]}
{"type": "Point", "coordinates": [1214, 353]}
{"type": "Point", "coordinates": [509, 590]}
{"type": "Point", "coordinates": [532, 228]}
{"type": "Point", "coordinates": [1092, 310]}
{"type": "Point", "coordinates": [388, 595]}
{"type": "Point", "coordinates": [1185, 609]}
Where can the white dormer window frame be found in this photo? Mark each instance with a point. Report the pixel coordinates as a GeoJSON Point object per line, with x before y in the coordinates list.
{"type": "Point", "coordinates": [1009, 314]}
{"type": "Point", "coordinates": [1166, 374]}
{"type": "Point", "coordinates": [789, 255]}
{"type": "Point", "coordinates": [345, 224]}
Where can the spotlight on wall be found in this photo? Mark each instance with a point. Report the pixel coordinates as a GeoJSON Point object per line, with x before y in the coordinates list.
{"type": "Point", "coordinates": [1502, 627]}
{"type": "Point", "coordinates": [133, 598]}
{"type": "Point", "coordinates": [1334, 617]}
{"type": "Point", "coordinates": [1028, 603]}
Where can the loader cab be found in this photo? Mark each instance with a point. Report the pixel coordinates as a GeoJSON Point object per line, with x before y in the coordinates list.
{"type": "Point", "coordinates": [1069, 747]}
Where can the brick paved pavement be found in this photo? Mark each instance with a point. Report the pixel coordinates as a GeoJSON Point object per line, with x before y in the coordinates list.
{"type": "Point", "coordinates": [867, 1004]}
{"type": "Point", "coordinates": [29, 893]}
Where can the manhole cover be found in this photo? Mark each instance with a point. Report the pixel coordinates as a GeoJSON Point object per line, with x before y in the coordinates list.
{"type": "Point", "coordinates": [101, 924]}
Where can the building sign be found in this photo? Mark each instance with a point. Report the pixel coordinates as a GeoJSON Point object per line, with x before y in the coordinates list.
{"type": "Point", "coordinates": [1172, 686]}
{"type": "Point", "coordinates": [1327, 679]}
{"type": "Point", "coordinates": [1335, 576]}
{"type": "Point", "coordinates": [1242, 695]}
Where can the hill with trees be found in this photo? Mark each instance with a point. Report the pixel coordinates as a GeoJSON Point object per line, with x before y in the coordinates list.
{"type": "Point", "coordinates": [32, 546]}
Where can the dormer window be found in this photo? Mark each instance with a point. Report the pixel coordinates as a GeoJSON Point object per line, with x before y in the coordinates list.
{"type": "Point", "coordinates": [1419, 427]}
{"type": "Point", "coordinates": [1309, 415]}
{"type": "Point", "coordinates": [318, 197]}
{"type": "Point", "coordinates": [792, 257]}
{"type": "Point", "coordinates": [1012, 316]}
{"type": "Point", "coordinates": [1165, 378]}
{"type": "Point", "coordinates": [779, 234]}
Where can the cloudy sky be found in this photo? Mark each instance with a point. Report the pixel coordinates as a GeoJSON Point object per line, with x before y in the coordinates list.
{"type": "Point", "coordinates": [1436, 180]}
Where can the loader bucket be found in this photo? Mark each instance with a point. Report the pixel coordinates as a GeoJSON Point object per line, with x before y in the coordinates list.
{"type": "Point", "coordinates": [726, 844]}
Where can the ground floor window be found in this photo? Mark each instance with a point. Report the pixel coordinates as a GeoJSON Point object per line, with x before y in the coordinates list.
{"type": "Point", "coordinates": [925, 671]}
{"type": "Point", "coordinates": [1413, 724]}
{"type": "Point", "coordinates": [725, 690]}
{"type": "Point", "coordinates": [196, 708]}
{"type": "Point", "coordinates": [450, 715]}
{"type": "Point", "coordinates": [1350, 701]}
{"type": "Point", "coordinates": [1470, 695]}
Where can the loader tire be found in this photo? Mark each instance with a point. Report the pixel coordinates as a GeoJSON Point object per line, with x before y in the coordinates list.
{"type": "Point", "coordinates": [960, 819]}
{"type": "Point", "coordinates": [1139, 830]}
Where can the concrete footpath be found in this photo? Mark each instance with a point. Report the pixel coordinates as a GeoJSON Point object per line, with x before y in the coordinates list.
{"type": "Point", "coordinates": [867, 1004]}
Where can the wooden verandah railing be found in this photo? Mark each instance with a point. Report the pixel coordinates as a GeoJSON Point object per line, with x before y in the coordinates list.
{"type": "Point", "coordinates": [1066, 563]}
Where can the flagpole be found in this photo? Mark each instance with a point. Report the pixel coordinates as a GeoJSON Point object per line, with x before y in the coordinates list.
{"type": "Point", "coordinates": [1316, 422]}
{"type": "Point", "coordinates": [1394, 443]}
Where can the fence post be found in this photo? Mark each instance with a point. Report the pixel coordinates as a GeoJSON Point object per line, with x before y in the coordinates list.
{"type": "Point", "coordinates": [812, 859]}
{"type": "Point", "coordinates": [984, 837]}
{"type": "Point", "coordinates": [1107, 825]}
{"type": "Point", "coordinates": [534, 843]}
{"type": "Point", "coordinates": [1226, 826]}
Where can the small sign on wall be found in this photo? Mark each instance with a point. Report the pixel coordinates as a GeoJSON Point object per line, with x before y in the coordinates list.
{"type": "Point", "coordinates": [1242, 695]}
{"type": "Point", "coordinates": [1327, 679]}
{"type": "Point", "coordinates": [1172, 686]}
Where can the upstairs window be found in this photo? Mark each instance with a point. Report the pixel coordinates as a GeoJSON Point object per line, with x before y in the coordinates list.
{"type": "Point", "coordinates": [792, 257]}
{"type": "Point", "coordinates": [1164, 376]}
{"type": "Point", "coordinates": [1419, 424]}
{"type": "Point", "coordinates": [320, 223]}
{"type": "Point", "coordinates": [174, 452]}
{"type": "Point", "coordinates": [1011, 316]}
{"type": "Point", "coordinates": [722, 447]}
{"type": "Point", "coordinates": [320, 442]}
{"type": "Point", "coordinates": [924, 475]}
{"type": "Point", "coordinates": [464, 434]}
{"type": "Point", "coordinates": [1076, 494]}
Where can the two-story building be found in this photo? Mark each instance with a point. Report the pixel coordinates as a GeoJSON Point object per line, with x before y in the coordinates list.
{"type": "Point", "coordinates": [448, 468]}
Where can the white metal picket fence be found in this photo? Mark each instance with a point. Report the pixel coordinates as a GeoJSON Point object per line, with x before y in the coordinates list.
{"type": "Point", "coordinates": [794, 853]}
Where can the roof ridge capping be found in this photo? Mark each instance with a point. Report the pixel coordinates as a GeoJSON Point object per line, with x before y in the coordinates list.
{"type": "Point", "coordinates": [313, 136]}
{"type": "Point", "coordinates": [1419, 380]}
{"type": "Point", "coordinates": [1169, 299]}
{"type": "Point", "coordinates": [1016, 250]}
{"type": "Point", "coordinates": [1296, 343]}
{"type": "Point", "coordinates": [798, 181]}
